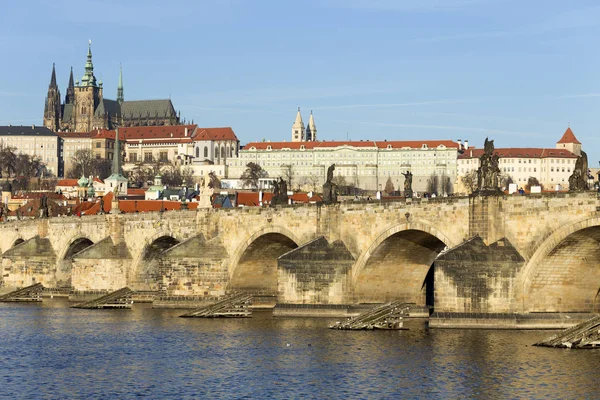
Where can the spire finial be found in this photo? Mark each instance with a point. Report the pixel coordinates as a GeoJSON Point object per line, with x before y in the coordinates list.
{"type": "Point", "coordinates": [298, 109]}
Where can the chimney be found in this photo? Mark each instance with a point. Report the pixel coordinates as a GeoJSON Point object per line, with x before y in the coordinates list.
{"type": "Point", "coordinates": [471, 154]}
{"type": "Point", "coordinates": [466, 144]}
{"type": "Point", "coordinates": [459, 144]}
{"type": "Point", "coordinates": [186, 132]}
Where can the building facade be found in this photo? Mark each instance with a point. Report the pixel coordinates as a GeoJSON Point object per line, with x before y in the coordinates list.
{"type": "Point", "coordinates": [85, 108]}
{"type": "Point", "coordinates": [71, 143]}
{"type": "Point", "coordinates": [363, 164]}
{"type": "Point", "coordinates": [36, 141]}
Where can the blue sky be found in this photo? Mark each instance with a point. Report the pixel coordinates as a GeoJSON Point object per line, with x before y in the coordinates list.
{"type": "Point", "coordinates": [517, 71]}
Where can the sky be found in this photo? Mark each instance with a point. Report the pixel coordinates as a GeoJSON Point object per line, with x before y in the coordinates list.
{"type": "Point", "coordinates": [517, 71]}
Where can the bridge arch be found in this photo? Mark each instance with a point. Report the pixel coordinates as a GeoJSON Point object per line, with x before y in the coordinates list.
{"type": "Point", "coordinates": [17, 241]}
{"type": "Point", "coordinates": [398, 264]}
{"type": "Point", "coordinates": [75, 244]}
{"type": "Point", "coordinates": [253, 267]}
{"type": "Point", "coordinates": [563, 275]}
{"type": "Point", "coordinates": [145, 274]}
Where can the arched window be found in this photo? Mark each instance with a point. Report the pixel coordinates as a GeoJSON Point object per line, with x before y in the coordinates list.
{"type": "Point", "coordinates": [222, 152]}
{"type": "Point", "coordinates": [228, 152]}
{"type": "Point", "coordinates": [205, 151]}
{"type": "Point", "coordinates": [233, 151]}
{"type": "Point", "coordinates": [197, 152]}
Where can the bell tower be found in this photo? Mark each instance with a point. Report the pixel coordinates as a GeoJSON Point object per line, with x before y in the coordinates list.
{"type": "Point", "coordinates": [88, 95]}
{"type": "Point", "coordinates": [298, 128]}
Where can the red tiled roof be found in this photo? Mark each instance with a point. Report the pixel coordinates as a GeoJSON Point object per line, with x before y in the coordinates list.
{"type": "Point", "coordinates": [107, 134]}
{"type": "Point", "coordinates": [569, 137]}
{"type": "Point", "coordinates": [223, 133]}
{"type": "Point", "coordinates": [158, 132]}
{"type": "Point", "coordinates": [520, 152]}
{"type": "Point", "coordinates": [250, 199]}
{"type": "Point", "coordinates": [67, 182]}
{"type": "Point", "coordinates": [394, 144]}
{"type": "Point", "coordinates": [131, 206]}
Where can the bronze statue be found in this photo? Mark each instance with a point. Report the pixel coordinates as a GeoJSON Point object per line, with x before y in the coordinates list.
{"type": "Point", "coordinates": [280, 195]}
{"type": "Point", "coordinates": [489, 170]}
{"type": "Point", "coordinates": [408, 192]}
{"type": "Point", "coordinates": [330, 188]}
{"type": "Point", "coordinates": [44, 207]}
{"type": "Point", "coordinates": [579, 177]}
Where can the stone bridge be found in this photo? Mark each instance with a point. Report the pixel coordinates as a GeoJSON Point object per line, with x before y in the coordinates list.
{"type": "Point", "coordinates": [477, 254]}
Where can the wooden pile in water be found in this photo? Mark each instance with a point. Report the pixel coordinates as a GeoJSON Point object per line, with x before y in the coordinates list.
{"type": "Point", "coordinates": [235, 306]}
{"type": "Point", "coordinates": [121, 298]}
{"type": "Point", "coordinates": [386, 316]}
{"type": "Point", "coordinates": [29, 293]}
{"type": "Point", "coordinates": [583, 336]}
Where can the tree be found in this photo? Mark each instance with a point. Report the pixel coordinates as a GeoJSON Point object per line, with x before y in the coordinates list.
{"type": "Point", "coordinates": [447, 185]}
{"type": "Point", "coordinates": [287, 174]}
{"type": "Point", "coordinates": [505, 179]}
{"type": "Point", "coordinates": [187, 174]}
{"type": "Point", "coordinates": [213, 181]}
{"type": "Point", "coordinates": [252, 174]}
{"type": "Point", "coordinates": [469, 180]}
{"type": "Point", "coordinates": [433, 184]}
{"type": "Point", "coordinates": [532, 181]}
{"type": "Point", "coordinates": [389, 186]}
{"type": "Point", "coordinates": [8, 160]}
{"type": "Point", "coordinates": [82, 164]}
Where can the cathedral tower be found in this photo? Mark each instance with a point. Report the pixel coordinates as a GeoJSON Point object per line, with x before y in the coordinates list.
{"type": "Point", "coordinates": [120, 98]}
{"type": "Point", "coordinates": [298, 128]}
{"type": "Point", "coordinates": [52, 109]}
{"type": "Point", "coordinates": [88, 95]}
{"type": "Point", "coordinates": [70, 96]}
{"type": "Point", "coordinates": [311, 129]}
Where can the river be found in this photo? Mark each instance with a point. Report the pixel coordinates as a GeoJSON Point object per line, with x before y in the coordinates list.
{"type": "Point", "coordinates": [50, 351]}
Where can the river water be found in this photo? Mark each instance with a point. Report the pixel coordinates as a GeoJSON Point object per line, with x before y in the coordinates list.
{"type": "Point", "coordinates": [50, 351]}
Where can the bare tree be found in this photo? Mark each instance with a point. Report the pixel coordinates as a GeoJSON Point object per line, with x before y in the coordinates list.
{"type": "Point", "coordinates": [82, 164]}
{"type": "Point", "coordinates": [389, 186]}
{"type": "Point", "coordinates": [433, 184]}
{"type": "Point", "coordinates": [469, 180]}
{"type": "Point", "coordinates": [532, 181]}
{"type": "Point", "coordinates": [287, 174]}
{"type": "Point", "coordinates": [214, 181]}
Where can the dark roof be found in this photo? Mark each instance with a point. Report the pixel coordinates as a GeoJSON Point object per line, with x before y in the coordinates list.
{"type": "Point", "coordinates": [67, 112]}
{"type": "Point", "coordinates": [30, 130]}
{"type": "Point", "coordinates": [111, 107]}
{"type": "Point", "coordinates": [145, 108]}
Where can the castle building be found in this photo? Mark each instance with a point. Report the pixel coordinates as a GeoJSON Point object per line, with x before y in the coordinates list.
{"type": "Point", "coordinates": [86, 109]}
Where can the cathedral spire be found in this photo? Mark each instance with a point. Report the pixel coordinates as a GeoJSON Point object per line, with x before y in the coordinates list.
{"type": "Point", "coordinates": [53, 78]}
{"type": "Point", "coordinates": [116, 167]}
{"type": "Point", "coordinates": [298, 128]}
{"type": "Point", "coordinates": [88, 78]}
{"type": "Point", "coordinates": [120, 97]}
{"type": "Point", "coordinates": [70, 96]}
{"type": "Point", "coordinates": [311, 129]}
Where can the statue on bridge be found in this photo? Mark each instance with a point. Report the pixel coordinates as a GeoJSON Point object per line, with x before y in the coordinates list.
{"type": "Point", "coordinates": [578, 181]}
{"type": "Point", "coordinates": [330, 188]}
{"type": "Point", "coordinates": [408, 192]}
{"type": "Point", "coordinates": [44, 213]}
{"type": "Point", "coordinates": [280, 195]}
{"type": "Point", "coordinates": [488, 172]}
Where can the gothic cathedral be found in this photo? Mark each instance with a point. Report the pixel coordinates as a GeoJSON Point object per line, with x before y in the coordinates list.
{"type": "Point", "coordinates": [85, 107]}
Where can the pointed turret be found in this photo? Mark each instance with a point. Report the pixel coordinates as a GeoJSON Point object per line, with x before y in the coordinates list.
{"type": "Point", "coordinates": [52, 108]}
{"type": "Point", "coordinates": [311, 129]}
{"type": "Point", "coordinates": [120, 97]}
{"type": "Point", "coordinates": [569, 142]}
{"type": "Point", "coordinates": [298, 128]}
{"type": "Point", "coordinates": [70, 96]}
{"type": "Point", "coordinates": [88, 78]}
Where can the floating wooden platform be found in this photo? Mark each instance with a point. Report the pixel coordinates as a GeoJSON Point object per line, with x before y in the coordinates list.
{"type": "Point", "coordinates": [26, 294]}
{"type": "Point", "coordinates": [121, 298]}
{"type": "Point", "coordinates": [235, 306]}
{"type": "Point", "coordinates": [387, 316]}
{"type": "Point", "coordinates": [583, 336]}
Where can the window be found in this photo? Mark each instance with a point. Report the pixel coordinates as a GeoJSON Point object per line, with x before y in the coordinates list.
{"type": "Point", "coordinates": [197, 152]}
{"type": "Point", "coordinates": [98, 145]}
{"type": "Point", "coordinates": [222, 152]}
{"type": "Point", "coordinates": [133, 157]}
{"type": "Point", "coordinates": [205, 151]}
{"type": "Point", "coordinates": [148, 157]}
{"type": "Point", "coordinates": [164, 156]}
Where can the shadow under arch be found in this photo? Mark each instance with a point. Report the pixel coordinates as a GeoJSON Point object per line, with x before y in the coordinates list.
{"type": "Point", "coordinates": [145, 272]}
{"type": "Point", "coordinates": [253, 267]}
{"type": "Point", "coordinates": [76, 244]}
{"type": "Point", "coordinates": [563, 275]}
{"type": "Point", "coordinates": [398, 265]}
